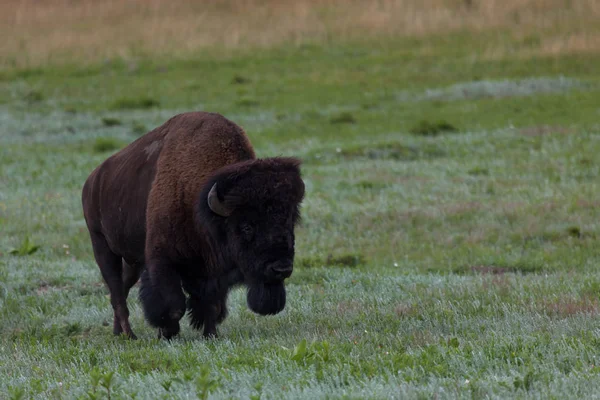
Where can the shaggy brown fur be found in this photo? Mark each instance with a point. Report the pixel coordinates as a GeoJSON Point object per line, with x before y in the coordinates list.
{"type": "Point", "coordinates": [148, 212]}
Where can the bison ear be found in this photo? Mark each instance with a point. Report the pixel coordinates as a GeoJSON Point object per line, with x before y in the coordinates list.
{"type": "Point", "coordinates": [216, 205]}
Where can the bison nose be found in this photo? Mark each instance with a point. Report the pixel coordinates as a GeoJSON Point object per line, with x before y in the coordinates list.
{"type": "Point", "coordinates": [280, 270]}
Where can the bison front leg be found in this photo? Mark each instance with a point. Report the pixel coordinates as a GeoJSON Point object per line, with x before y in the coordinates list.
{"type": "Point", "coordinates": [207, 306]}
{"type": "Point", "coordinates": [162, 298]}
{"type": "Point", "coordinates": [207, 314]}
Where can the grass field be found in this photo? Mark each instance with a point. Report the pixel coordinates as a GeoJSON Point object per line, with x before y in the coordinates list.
{"type": "Point", "coordinates": [449, 239]}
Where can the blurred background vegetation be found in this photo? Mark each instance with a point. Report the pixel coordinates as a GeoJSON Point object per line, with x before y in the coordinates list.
{"type": "Point", "coordinates": [37, 33]}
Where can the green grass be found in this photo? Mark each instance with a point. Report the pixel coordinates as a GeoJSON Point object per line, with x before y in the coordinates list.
{"type": "Point", "coordinates": [431, 262]}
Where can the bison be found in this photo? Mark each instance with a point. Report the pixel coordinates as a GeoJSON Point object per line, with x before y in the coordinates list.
{"type": "Point", "coordinates": [192, 210]}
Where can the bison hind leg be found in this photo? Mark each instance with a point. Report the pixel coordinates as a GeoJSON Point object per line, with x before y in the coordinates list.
{"type": "Point", "coordinates": [130, 276]}
{"type": "Point", "coordinates": [112, 269]}
{"type": "Point", "coordinates": [207, 315]}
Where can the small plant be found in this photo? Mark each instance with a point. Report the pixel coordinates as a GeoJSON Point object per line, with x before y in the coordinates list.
{"type": "Point", "coordinates": [95, 377]}
{"type": "Point", "coordinates": [33, 96]}
{"type": "Point", "coordinates": [574, 231]}
{"type": "Point", "coordinates": [315, 351]}
{"type": "Point", "coordinates": [130, 103]}
{"type": "Point", "coordinates": [342, 260]}
{"type": "Point", "coordinates": [104, 380]}
{"type": "Point", "coordinates": [426, 128]}
{"type": "Point", "coordinates": [110, 121]}
{"type": "Point", "coordinates": [104, 144]}
{"type": "Point", "coordinates": [246, 102]}
{"type": "Point", "coordinates": [138, 128]}
{"type": "Point", "coordinates": [26, 248]}
{"type": "Point", "coordinates": [258, 387]}
{"type": "Point", "coordinates": [167, 384]}
{"type": "Point", "coordinates": [343, 118]}
{"type": "Point", "coordinates": [478, 171]}
{"type": "Point", "coordinates": [205, 384]}
{"type": "Point", "coordinates": [346, 260]}
{"type": "Point", "coordinates": [16, 393]}
{"type": "Point", "coordinates": [107, 381]}
{"type": "Point", "coordinates": [240, 80]}
{"type": "Point", "coordinates": [312, 115]}
{"type": "Point", "coordinates": [525, 382]}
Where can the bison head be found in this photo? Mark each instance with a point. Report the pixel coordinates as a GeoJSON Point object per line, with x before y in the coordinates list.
{"type": "Point", "coordinates": [254, 208]}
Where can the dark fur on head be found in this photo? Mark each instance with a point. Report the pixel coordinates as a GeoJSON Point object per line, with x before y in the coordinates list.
{"type": "Point", "coordinates": [258, 236]}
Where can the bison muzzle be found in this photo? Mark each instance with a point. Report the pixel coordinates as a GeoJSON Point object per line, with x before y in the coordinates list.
{"type": "Point", "coordinates": [190, 209]}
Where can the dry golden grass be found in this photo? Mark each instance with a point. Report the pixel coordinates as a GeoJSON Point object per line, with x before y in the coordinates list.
{"type": "Point", "coordinates": [39, 32]}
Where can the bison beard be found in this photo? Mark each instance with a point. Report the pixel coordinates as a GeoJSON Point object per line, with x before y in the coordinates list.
{"type": "Point", "coordinates": [266, 298]}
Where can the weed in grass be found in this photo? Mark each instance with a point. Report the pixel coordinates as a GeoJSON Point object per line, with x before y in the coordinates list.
{"type": "Point", "coordinates": [346, 260]}
{"type": "Point", "coordinates": [312, 115]}
{"type": "Point", "coordinates": [205, 383]}
{"type": "Point", "coordinates": [33, 96]}
{"type": "Point", "coordinates": [343, 118]}
{"type": "Point", "coordinates": [16, 393]}
{"type": "Point", "coordinates": [426, 128]}
{"type": "Point", "coordinates": [574, 231]}
{"type": "Point", "coordinates": [105, 144]}
{"type": "Point", "coordinates": [101, 380]}
{"type": "Point", "coordinates": [26, 248]}
{"type": "Point", "coordinates": [138, 128]}
{"type": "Point", "coordinates": [525, 382]}
{"type": "Point", "coordinates": [108, 382]}
{"type": "Point", "coordinates": [258, 387]}
{"type": "Point", "coordinates": [341, 260]}
{"type": "Point", "coordinates": [111, 121]}
{"type": "Point", "coordinates": [479, 171]}
{"type": "Point", "coordinates": [132, 103]}
{"type": "Point", "coordinates": [371, 185]}
{"type": "Point", "coordinates": [246, 102]}
{"type": "Point", "coordinates": [95, 377]}
{"type": "Point", "coordinates": [305, 352]}
{"type": "Point", "coordinates": [166, 384]}
{"type": "Point", "coordinates": [240, 80]}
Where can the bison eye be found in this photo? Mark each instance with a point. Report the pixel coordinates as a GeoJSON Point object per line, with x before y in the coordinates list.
{"type": "Point", "coordinates": [247, 230]}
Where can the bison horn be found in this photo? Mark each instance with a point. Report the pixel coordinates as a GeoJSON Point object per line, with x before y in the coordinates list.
{"type": "Point", "coordinates": [216, 205]}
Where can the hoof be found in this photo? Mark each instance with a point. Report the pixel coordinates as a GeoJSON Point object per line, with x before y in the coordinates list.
{"type": "Point", "coordinates": [210, 335]}
{"type": "Point", "coordinates": [168, 332]}
{"type": "Point", "coordinates": [130, 335]}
